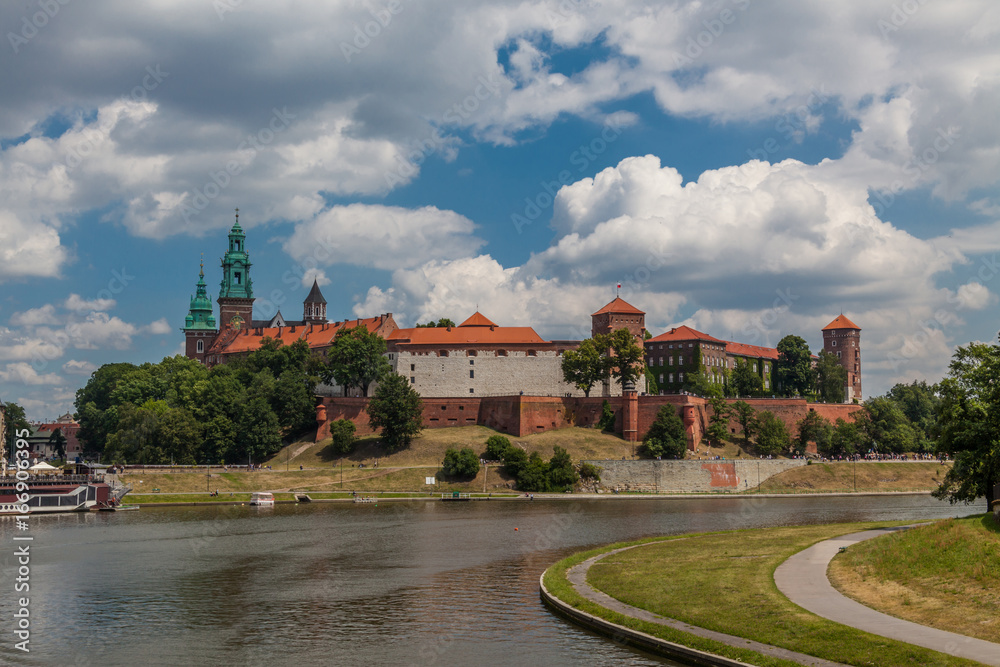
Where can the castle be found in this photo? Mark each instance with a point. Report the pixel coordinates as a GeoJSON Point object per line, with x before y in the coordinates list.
{"type": "Point", "coordinates": [501, 374]}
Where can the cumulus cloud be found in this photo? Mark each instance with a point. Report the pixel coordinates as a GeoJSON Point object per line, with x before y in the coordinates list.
{"type": "Point", "coordinates": [159, 327]}
{"type": "Point", "coordinates": [76, 303]}
{"type": "Point", "coordinates": [974, 296]}
{"type": "Point", "coordinates": [385, 237]}
{"type": "Point", "coordinates": [74, 367]}
{"type": "Point", "coordinates": [23, 373]}
{"type": "Point", "coordinates": [44, 315]}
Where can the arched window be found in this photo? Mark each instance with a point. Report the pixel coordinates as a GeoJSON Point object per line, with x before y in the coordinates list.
{"type": "Point", "coordinates": [201, 346]}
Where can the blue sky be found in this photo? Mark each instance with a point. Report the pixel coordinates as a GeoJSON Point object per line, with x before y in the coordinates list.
{"type": "Point", "coordinates": [747, 168]}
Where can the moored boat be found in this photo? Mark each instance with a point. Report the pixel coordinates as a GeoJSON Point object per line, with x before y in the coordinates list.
{"type": "Point", "coordinates": [44, 494]}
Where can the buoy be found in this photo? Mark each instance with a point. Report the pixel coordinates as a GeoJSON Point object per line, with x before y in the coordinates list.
{"type": "Point", "coordinates": [515, 530]}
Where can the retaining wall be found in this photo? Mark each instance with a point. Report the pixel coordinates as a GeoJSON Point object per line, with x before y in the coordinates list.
{"type": "Point", "coordinates": [690, 476]}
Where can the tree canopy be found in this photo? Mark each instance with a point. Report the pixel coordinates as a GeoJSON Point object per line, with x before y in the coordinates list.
{"type": "Point", "coordinates": [666, 435]}
{"type": "Point", "coordinates": [442, 323]}
{"type": "Point", "coordinates": [586, 365]}
{"type": "Point", "coordinates": [831, 378]}
{"type": "Point", "coordinates": [397, 410]}
{"type": "Point", "coordinates": [461, 463]}
{"type": "Point", "coordinates": [793, 369]}
{"type": "Point", "coordinates": [772, 434]}
{"type": "Point", "coordinates": [969, 423]}
{"type": "Point", "coordinates": [356, 359]}
{"type": "Point", "coordinates": [744, 380]}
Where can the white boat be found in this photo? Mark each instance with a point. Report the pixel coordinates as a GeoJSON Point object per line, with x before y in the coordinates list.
{"type": "Point", "coordinates": [262, 499]}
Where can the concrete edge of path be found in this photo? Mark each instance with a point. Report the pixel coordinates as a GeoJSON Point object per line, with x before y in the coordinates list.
{"type": "Point", "coordinates": [803, 580]}
{"type": "Point", "coordinates": [623, 635]}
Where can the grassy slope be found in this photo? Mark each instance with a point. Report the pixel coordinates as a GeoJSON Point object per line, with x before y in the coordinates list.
{"type": "Point", "coordinates": [725, 582]}
{"type": "Point", "coordinates": [946, 575]}
{"type": "Point", "coordinates": [871, 476]}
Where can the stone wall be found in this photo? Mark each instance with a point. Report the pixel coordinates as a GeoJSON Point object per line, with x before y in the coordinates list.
{"type": "Point", "coordinates": [690, 476]}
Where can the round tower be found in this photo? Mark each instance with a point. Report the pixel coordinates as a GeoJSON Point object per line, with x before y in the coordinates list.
{"type": "Point", "coordinates": [842, 338]}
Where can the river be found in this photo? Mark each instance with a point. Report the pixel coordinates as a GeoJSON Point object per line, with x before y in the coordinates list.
{"type": "Point", "coordinates": [409, 583]}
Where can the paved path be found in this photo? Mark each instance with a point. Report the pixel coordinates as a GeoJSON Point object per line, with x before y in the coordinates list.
{"type": "Point", "coordinates": [577, 576]}
{"type": "Point", "coordinates": [802, 579]}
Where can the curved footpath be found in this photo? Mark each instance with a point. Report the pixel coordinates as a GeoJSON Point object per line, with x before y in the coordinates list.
{"type": "Point", "coordinates": [803, 580]}
{"type": "Point", "coordinates": [577, 576]}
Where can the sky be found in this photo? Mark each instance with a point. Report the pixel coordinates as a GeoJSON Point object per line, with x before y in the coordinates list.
{"type": "Point", "coordinates": [748, 168]}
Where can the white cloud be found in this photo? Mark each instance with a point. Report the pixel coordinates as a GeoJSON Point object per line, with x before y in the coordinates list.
{"type": "Point", "coordinates": [74, 367]}
{"type": "Point", "coordinates": [76, 303]}
{"type": "Point", "coordinates": [15, 346]}
{"type": "Point", "coordinates": [44, 315]}
{"type": "Point", "coordinates": [385, 237]}
{"type": "Point", "coordinates": [974, 296]}
{"type": "Point", "coordinates": [96, 331]}
{"type": "Point", "coordinates": [23, 373]}
{"type": "Point", "coordinates": [28, 248]}
{"type": "Point", "coordinates": [159, 327]}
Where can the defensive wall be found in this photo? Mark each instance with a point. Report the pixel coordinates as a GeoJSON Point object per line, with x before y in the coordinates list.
{"type": "Point", "coordinates": [690, 476]}
{"type": "Point", "coordinates": [521, 415]}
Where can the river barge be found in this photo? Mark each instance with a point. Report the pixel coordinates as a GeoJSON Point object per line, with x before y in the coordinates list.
{"type": "Point", "coordinates": [59, 493]}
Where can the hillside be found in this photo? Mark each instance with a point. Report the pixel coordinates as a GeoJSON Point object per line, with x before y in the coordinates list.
{"type": "Point", "coordinates": [839, 477]}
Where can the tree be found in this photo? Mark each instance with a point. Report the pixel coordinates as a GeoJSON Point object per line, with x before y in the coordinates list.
{"type": "Point", "coordinates": [14, 420]}
{"type": "Point", "coordinates": [794, 366]}
{"type": "Point", "coordinates": [460, 463]}
{"type": "Point", "coordinates": [496, 448]}
{"type": "Point", "coordinates": [845, 440]}
{"type": "Point", "coordinates": [442, 323]}
{"type": "Point", "coordinates": [586, 365]}
{"type": "Point", "coordinates": [397, 410]}
{"type": "Point", "coordinates": [747, 418]}
{"type": "Point", "coordinates": [813, 428]}
{"type": "Point", "coordinates": [969, 422]}
{"type": "Point", "coordinates": [342, 436]}
{"type": "Point", "coordinates": [745, 381]}
{"type": "Point", "coordinates": [831, 378]}
{"type": "Point", "coordinates": [356, 359]}
{"type": "Point", "coordinates": [698, 383]}
{"type": "Point", "coordinates": [772, 435]}
{"type": "Point", "coordinates": [919, 402]}
{"type": "Point", "coordinates": [666, 436]}
{"type": "Point", "coordinates": [607, 420]}
{"type": "Point", "coordinates": [562, 475]}
{"type": "Point", "coordinates": [514, 460]}
{"type": "Point", "coordinates": [626, 357]}
{"type": "Point", "coordinates": [718, 421]}
{"type": "Point", "coordinates": [58, 441]}
{"type": "Point", "coordinates": [885, 427]}
{"type": "Point", "coordinates": [652, 386]}
{"type": "Point", "coordinates": [534, 474]}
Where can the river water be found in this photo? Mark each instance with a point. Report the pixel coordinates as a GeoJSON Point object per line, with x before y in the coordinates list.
{"type": "Point", "coordinates": [410, 583]}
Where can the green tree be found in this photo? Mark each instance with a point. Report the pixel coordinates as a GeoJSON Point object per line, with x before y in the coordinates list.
{"type": "Point", "coordinates": [534, 474]}
{"type": "Point", "coordinates": [831, 378]}
{"type": "Point", "coordinates": [845, 440]}
{"type": "Point", "coordinates": [745, 381]}
{"type": "Point", "coordinates": [718, 421]}
{"type": "Point", "coordinates": [342, 437]}
{"type": "Point", "coordinates": [626, 357]}
{"type": "Point", "coordinates": [969, 421]}
{"type": "Point", "coordinates": [586, 365]}
{"type": "Point", "coordinates": [14, 420]}
{"type": "Point", "coordinates": [607, 420]}
{"type": "Point", "coordinates": [460, 463]}
{"type": "Point", "coordinates": [293, 402]}
{"type": "Point", "coordinates": [919, 402]}
{"type": "Point", "coordinates": [813, 428]}
{"type": "Point", "coordinates": [97, 413]}
{"type": "Point", "coordinates": [180, 436]}
{"type": "Point", "coordinates": [772, 435]}
{"type": "Point", "coordinates": [356, 359]}
{"type": "Point", "coordinates": [496, 448]}
{"type": "Point", "coordinates": [258, 435]}
{"type": "Point", "coordinates": [442, 323]}
{"type": "Point", "coordinates": [397, 410]}
{"type": "Point", "coordinates": [698, 383]}
{"type": "Point", "coordinates": [747, 418]}
{"type": "Point", "coordinates": [514, 460]}
{"type": "Point", "coordinates": [885, 427]}
{"type": "Point", "coordinates": [58, 442]}
{"type": "Point", "coordinates": [666, 435]}
{"type": "Point", "coordinates": [562, 474]}
{"type": "Point", "coordinates": [793, 369]}
{"type": "Point", "coordinates": [652, 386]}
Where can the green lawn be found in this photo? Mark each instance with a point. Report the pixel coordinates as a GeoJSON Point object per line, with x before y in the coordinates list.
{"type": "Point", "coordinates": [725, 582]}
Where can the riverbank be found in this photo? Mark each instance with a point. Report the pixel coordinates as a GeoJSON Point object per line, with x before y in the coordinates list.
{"type": "Point", "coordinates": [724, 582]}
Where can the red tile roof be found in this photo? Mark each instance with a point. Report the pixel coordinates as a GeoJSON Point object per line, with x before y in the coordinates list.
{"type": "Point", "coordinates": [466, 335]}
{"type": "Point", "coordinates": [841, 322]}
{"type": "Point", "coordinates": [684, 333]}
{"type": "Point", "coordinates": [756, 351]}
{"type": "Point", "coordinates": [619, 305]}
{"type": "Point", "coordinates": [477, 320]}
{"type": "Point", "coordinates": [316, 335]}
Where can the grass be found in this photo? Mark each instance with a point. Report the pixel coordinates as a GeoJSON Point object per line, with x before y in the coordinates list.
{"type": "Point", "coordinates": [945, 575]}
{"type": "Point", "coordinates": [725, 582]}
{"type": "Point", "coordinates": [845, 476]}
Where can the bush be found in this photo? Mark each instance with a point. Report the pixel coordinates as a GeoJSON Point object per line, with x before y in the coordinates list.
{"type": "Point", "coordinates": [496, 448]}
{"type": "Point", "coordinates": [772, 435]}
{"type": "Point", "coordinates": [463, 463]}
{"type": "Point", "coordinates": [590, 471]}
{"type": "Point", "coordinates": [666, 436]}
{"type": "Point", "coordinates": [562, 474]}
{"type": "Point", "coordinates": [607, 421]}
{"type": "Point", "coordinates": [514, 459]}
{"type": "Point", "coordinates": [534, 474]}
{"type": "Point", "coordinates": [342, 433]}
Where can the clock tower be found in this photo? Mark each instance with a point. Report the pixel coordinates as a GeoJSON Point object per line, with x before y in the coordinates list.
{"type": "Point", "coordinates": [236, 293]}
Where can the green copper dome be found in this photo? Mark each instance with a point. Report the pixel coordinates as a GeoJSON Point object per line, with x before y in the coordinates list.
{"type": "Point", "coordinates": [236, 281]}
{"type": "Point", "coordinates": [200, 315]}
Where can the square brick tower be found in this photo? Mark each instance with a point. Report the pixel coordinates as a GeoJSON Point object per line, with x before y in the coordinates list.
{"type": "Point", "coordinates": [842, 338]}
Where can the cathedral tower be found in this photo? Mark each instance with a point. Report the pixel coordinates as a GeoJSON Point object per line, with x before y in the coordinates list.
{"type": "Point", "coordinates": [199, 325]}
{"type": "Point", "coordinates": [314, 307]}
{"type": "Point", "coordinates": [236, 297]}
{"type": "Point", "coordinates": [842, 338]}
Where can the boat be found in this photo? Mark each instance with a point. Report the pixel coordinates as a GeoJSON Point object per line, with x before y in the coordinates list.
{"type": "Point", "coordinates": [262, 499]}
{"type": "Point", "coordinates": [366, 499]}
{"type": "Point", "coordinates": [47, 494]}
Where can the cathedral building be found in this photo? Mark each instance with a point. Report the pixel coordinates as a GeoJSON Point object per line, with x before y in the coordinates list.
{"type": "Point", "coordinates": [238, 333]}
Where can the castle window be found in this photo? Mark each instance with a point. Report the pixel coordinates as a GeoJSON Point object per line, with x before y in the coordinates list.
{"type": "Point", "coordinates": [670, 360]}
{"type": "Point", "coordinates": [671, 377]}
{"type": "Point", "coordinates": [471, 390]}
{"type": "Point", "coordinates": [755, 367]}
{"type": "Point", "coordinates": [413, 367]}
{"type": "Point", "coordinates": [442, 353]}
{"type": "Point", "coordinates": [680, 377]}
{"type": "Point", "coordinates": [472, 362]}
{"type": "Point", "coordinates": [413, 380]}
{"type": "Point", "coordinates": [201, 346]}
{"type": "Point", "coordinates": [838, 354]}
{"type": "Point", "coordinates": [472, 375]}
{"type": "Point", "coordinates": [833, 343]}
{"type": "Point", "coordinates": [661, 378]}
{"type": "Point", "coordinates": [680, 360]}
{"type": "Point", "coordinates": [661, 361]}
{"type": "Point", "coordinates": [531, 353]}
{"type": "Point", "coordinates": [238, 276]}
{"type": "Point", "coordinates": [651, 362]}
{"type": "Point", "coordinates": [767, 383]}
{"type": "Point", "coordinates": [501, 353]}
{"type": "Point", "coordinates": [471, 353]}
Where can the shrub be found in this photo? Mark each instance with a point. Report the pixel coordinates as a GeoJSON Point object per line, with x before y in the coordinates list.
{"type": "Point", "coordinates": [562, 474]}
{"type": "Point", "coordinates": [607, 421]}
{"type": "Point", "coordinates": [342, 433]}
{"type": "Point", "coordinates": [666, 436]}
{"type": "Point", "coordinates": [463, 463]}
{"type": "Point", "coordinates": [496, 448]}
{"type": "Point", "coordinates": [590, 471]}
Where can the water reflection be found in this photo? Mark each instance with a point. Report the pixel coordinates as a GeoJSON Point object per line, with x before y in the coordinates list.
{"type": "Point", "coordinates": [395, 584]}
